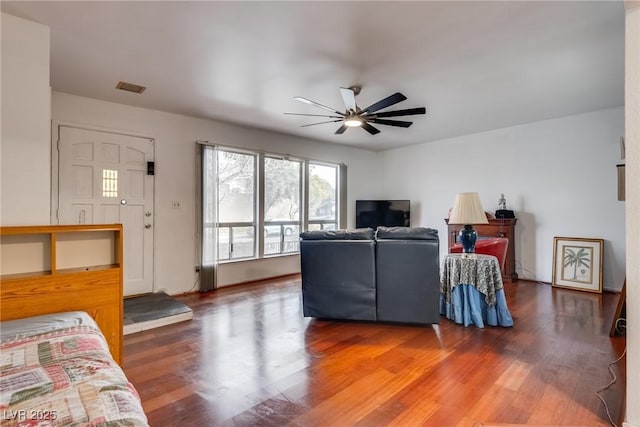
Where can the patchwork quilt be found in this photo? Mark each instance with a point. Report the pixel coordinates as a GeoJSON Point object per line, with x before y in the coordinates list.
{"type": "Point", "coordinates": [65, 378]}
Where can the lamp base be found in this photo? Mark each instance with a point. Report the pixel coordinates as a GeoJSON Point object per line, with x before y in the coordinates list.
{"type": "Point", "coordinates": [468, 237]}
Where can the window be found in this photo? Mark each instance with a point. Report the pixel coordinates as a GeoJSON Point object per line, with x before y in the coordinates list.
{"type": "Point", "coordinates": [323, 193]}
{"type": "Point", "coordinates": [256, 205]}
{"type": "Point", "coordinates": [109, 183]}
{"type": "Point", "coordinates": [282, 197]}
{"type": "Point", "coordinates": [236, 208]}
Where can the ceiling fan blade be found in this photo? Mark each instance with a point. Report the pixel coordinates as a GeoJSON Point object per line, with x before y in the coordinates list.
{"type": "Point", "coordinates": [398, 123]}
{"type": "Point", "coordinates": [384, 103]}
{"type": "Point", "coordinates": [320, 123]}
{"type": "Point", "coordinates": [314, 115]}
{"type": "Point", "coordinates": [349, 98]}
{"type": "Point", "coordinates": [407, 112]}
{"type": "Point", "coordinates": [341, 130]}
{"type": "Point", "coordinates": [366, 126]}
{"type": "Point", "coordinates": [324, 107]}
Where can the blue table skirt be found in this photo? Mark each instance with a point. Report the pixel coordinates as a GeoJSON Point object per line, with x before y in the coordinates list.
{"type": "Point", "coordinates": [468, 306]}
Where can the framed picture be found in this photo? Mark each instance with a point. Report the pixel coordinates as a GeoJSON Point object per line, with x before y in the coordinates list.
{"type": "Point", "coordinates": [577, 263]}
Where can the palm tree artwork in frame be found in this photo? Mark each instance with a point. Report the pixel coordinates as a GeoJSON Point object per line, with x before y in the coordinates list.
{"type": "Point", "coordinates": [577, 263]}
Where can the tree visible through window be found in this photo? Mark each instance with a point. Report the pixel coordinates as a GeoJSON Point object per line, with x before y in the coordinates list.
{"type": "Point", "coordinates": [322, 197]}
{"type": "Point", "coordinates": [282, 179]}
{"type": "Point", "coordinates": [236, 205]}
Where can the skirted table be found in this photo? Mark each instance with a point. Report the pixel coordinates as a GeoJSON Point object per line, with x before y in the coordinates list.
{"type": "Point", "coordinates": [471, 291]}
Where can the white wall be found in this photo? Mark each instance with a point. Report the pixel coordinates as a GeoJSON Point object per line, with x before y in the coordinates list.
{"type": "Point", "coordinates": [175, 179]}
{"type": "Point", "coordinates": [573, 192]}
{"type": "Point", "coordinates": [632, 136]}
{"type": "Point", "coordinates": [26, 112]}
{"type": "Point", "coordinates": [559, 176]}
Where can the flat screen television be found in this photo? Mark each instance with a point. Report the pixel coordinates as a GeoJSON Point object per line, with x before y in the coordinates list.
{"type": "Point", "coordinates": [389, 213]}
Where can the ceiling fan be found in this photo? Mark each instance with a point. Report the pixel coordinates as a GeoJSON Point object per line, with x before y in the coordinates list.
{"type": "Point", "coordinates": [355, 116]}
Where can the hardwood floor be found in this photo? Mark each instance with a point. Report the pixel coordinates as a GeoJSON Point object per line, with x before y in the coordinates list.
{"type": "Point", "coordinates": [249, 358]}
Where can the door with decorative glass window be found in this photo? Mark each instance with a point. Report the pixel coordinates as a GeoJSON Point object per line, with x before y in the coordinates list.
{"type": "Point", "coordinates": [105, 178]}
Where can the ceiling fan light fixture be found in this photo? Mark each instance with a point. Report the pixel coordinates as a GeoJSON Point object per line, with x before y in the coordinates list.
{"type": "Point", "coordinates": [353, 116]}
{"type": "Point", "coordinates": [353, 122]}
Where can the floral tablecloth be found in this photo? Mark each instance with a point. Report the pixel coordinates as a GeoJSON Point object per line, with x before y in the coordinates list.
{"type": "Point", "coordinates": [472, 292]}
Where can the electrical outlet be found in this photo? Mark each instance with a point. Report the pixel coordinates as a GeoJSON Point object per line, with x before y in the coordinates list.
{"type": "Point", "coordinates": [175, 204]}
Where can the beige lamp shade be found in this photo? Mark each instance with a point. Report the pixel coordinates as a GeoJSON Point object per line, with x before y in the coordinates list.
{"type": "Point", "coordinates": [467, 209]}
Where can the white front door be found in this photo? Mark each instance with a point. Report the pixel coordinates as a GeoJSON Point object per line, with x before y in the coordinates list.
{"type": "Point", "coordinates": [103, 179]}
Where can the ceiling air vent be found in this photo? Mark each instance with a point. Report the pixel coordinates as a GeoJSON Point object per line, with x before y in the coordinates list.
{"type": "Point", "coordinates": [130, 87]}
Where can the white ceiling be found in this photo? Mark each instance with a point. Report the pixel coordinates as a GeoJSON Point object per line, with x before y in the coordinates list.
{"type": "Point", "coordinates": [476, 65]}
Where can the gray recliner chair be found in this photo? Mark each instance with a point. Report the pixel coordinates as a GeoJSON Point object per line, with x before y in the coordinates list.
{"type": "Point", "coordinates": [339, 274]}
{"type": "Point", "coordinates": [408, 274]}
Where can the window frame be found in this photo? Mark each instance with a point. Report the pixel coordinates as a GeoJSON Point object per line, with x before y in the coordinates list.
{"type": "Point", "coordinates": [230, 225]}
{"type": "Point", "coordinates": [282, 223]}
{"type": "Point", "coordinates": [259, 222]}
{"type": "Point", "coordinates": [336, 195]}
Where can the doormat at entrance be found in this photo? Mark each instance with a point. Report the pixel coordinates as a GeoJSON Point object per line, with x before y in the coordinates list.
{"type": "Point", "coordinates": [153, 311]}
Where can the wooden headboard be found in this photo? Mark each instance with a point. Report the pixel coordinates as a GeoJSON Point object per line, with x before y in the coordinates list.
{"type": "Point", "coordinates": [55, 268]}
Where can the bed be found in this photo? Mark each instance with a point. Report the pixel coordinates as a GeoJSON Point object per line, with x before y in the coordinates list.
{"type": "Point", "coordinates": [61, 328]}
{"type": "Point", "coordinates": [56, 370]}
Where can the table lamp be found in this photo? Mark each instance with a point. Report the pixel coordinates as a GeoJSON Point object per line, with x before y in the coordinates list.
{"type": "Point", "coordinates": [467, 210]}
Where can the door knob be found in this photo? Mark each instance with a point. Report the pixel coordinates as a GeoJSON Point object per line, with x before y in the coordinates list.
{"type": "Point", "coordinates": [147, 226]}
{"type": "Point", "coordinates": [147, 213]}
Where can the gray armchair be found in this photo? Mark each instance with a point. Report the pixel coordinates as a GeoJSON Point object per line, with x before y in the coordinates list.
{"type": "Point", "coordinates": [338, 274]}
{"type": "Point", "coordinates": [407, 274]}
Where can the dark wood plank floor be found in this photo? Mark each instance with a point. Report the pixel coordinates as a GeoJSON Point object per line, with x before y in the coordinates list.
{"type": "Point", "coordinates": [249, 358]}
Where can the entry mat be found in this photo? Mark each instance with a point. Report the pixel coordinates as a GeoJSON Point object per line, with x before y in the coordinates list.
{"type": "Point", "coordinates": [150, 311]}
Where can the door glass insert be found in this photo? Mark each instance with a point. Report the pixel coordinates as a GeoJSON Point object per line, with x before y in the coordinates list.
{"type": "Point", "coordinates": [109, 183]}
